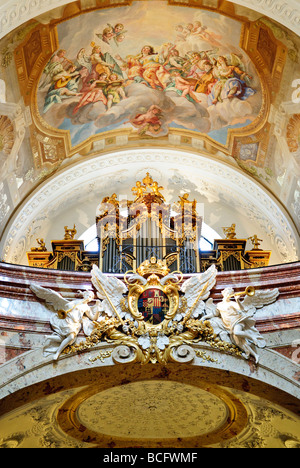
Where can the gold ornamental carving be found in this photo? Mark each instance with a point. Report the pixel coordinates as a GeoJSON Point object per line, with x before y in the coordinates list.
{"type": "Point", "coordinates": [156, 316]}
{"type": "Point", "coordinates": [154, 323]}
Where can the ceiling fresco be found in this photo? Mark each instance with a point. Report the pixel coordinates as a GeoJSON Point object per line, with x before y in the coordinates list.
{"type": "Point", "coordinates": [147, 74]}
{"type": "Point", "coordinates": [135, 73]}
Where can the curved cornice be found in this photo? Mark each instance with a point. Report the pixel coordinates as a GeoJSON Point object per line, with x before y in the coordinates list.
{"type": "Point", "coordinates": [23, 373]}
{"type": "Point", "coordinates": [284, 12]}
{"type": "Point", "coordinates": [14, 14]}
{"type": "Point", "coordinates": [15, 281]}
{"type": "Point", "coordinates": [214, 179]}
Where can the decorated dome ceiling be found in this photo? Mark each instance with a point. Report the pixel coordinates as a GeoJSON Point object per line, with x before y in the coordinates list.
{"type": "Point", "coordinates": [147, 77]}
{"type": "Point", "coordinates": [88, 79]}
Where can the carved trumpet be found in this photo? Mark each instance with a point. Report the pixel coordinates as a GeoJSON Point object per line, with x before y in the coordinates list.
{"type": "Point", "coordinates": [249, 291]}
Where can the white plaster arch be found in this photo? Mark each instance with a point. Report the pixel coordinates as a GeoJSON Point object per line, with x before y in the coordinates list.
{"type": "Point", "coordinates": [96, 177]}
{"type": "Point", "coordinates": [13, 14]}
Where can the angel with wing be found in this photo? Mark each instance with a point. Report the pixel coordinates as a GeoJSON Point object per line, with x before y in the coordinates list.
{"type": "Point", "coordinates": [236, 318]}
{"type": "Point", "coordinates": [232, 80]}
{"type": "Point", "coordinates": [68, 319]}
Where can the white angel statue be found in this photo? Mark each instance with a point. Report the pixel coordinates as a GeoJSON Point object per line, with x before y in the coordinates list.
{"type": "Point", "coordinates": [236, 318]}
{"type": "Point", "coordinates": [68, 319]}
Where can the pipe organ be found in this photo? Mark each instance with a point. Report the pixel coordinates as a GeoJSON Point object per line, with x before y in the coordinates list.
{"type": "Point", "coordinates": [132, 231]}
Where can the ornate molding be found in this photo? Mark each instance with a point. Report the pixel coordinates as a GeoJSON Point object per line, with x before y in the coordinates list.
{"type": "Point", "coordinates": [284, 12]}
{"type": "Point", "coordinates": [15, 280]}
{"type": "Point", "coordinates": [31, 368]}
{"type": "Point", "coordinates": [12, 129]}
{"type": "Point", "coordinates": [14, 14]}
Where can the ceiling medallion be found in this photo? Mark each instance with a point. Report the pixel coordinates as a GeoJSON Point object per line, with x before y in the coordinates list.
{"type": "Point", "coordinates": [122, 416]}
{"type": "Point", "coordinates": [154, 316]}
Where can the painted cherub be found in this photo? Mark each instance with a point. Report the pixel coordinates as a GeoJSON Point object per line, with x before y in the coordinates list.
{"type": "Point", "coordinates": [119, 33]}
{"type": "Point", "coordinates": [149, 122]}
{"type": "Point", "coordinates": [107, 34]}
{"type": "Point", "coordinates": [112, 32]}
{"type": "Point", "coordinates": [183, 85]}
{"type": "Point", "coordinates": [114, 90]}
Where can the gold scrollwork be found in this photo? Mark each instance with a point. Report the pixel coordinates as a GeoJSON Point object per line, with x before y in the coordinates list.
{"type": "Point", "coordinates": [154, 336]}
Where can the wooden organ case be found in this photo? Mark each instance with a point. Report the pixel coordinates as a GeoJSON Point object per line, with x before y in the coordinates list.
{"type": "Point", "coordinates": [130, 232]}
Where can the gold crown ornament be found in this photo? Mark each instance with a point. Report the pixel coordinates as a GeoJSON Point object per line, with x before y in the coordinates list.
{"type": "Point", "coordinates": [153, 267]}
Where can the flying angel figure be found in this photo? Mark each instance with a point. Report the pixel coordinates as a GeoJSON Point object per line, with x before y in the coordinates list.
{"type": "Point", "coordinates": [112, 32]}
{"type": "Point", "coordinates": [68, 318]}
{"type": "Point", "coordinates": [236, 318]}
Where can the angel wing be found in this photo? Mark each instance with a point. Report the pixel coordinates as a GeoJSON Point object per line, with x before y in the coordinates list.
{"type": "Point", "coordinates": [235, 60]}
{"type": "Point", "coordinates": [110, 289]}
{"type": "Point", "coordinates": [260, 299]}
{"type": "Point", "coordinates": [103, 38]}
{"type": "Point", "coordinates": [202, 282]}
{"type": "Point", "coordinates": [51, 297]}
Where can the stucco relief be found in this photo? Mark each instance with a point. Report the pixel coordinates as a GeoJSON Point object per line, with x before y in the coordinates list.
{"type": "Point", "coordinates": [153, 324]}
{"type": "Point", "coordinates": [35, 425]}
